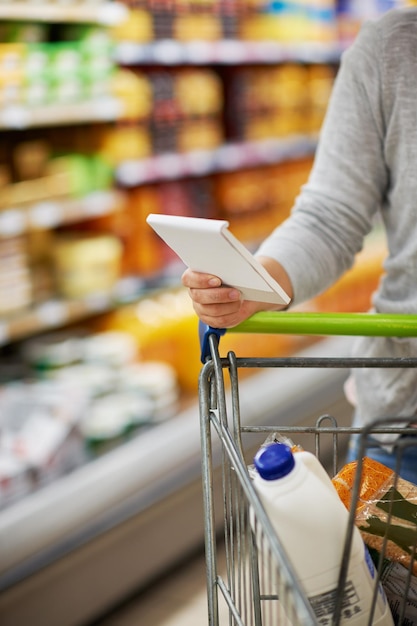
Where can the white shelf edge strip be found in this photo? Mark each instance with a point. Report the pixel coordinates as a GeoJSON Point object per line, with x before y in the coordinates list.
{"type": "Point", "coordinates": [107, 13]}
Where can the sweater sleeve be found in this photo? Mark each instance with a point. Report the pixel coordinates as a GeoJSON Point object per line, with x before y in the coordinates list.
{"type": "Point", "coordinates": [335, 208]}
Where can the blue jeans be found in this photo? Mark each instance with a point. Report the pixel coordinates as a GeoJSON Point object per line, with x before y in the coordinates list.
{"type": "Point", "coordinates": [408, 467]}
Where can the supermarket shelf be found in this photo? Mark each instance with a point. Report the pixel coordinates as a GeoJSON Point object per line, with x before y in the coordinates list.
{"type": "Point", "coordinates": [228, 157]}
{"type": "Point", "coordinates": [104, 109]}
{"type": "Point", "coordinates": [113, 498]}
{"type": "Point", "coordinates": [225, 52]}
{"type": "Point", "coordinates": [57, 313]}
{"type": "Point", "coordinates": [107, 13]}
{"type": "Point", "coordinates": [57, 212]}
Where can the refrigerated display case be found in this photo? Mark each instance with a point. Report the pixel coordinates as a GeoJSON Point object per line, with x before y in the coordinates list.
{"type": "Point", "coordinates": [94, 537]}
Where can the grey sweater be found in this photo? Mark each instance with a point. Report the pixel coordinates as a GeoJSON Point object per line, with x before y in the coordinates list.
{"type": "Point", "coordinates": [365, 166]}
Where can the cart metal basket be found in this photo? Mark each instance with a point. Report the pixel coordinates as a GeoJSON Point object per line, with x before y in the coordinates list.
{"type": "Point", "coordinates": [250, 586]}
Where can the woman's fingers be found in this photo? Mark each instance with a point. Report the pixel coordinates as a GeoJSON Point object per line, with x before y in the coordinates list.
{"type": "Point", "coordinates": [218, 295]}
{"type": "Point", "coordinates": [198, 280]}
{"type": "Point", "coordinates": [216, 305]}
{"type": "Point", "coordinates": [208, 289]}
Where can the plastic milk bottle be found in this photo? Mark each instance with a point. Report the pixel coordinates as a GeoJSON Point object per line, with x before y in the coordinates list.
{"type": "Point", "coordinates": [311, 522]}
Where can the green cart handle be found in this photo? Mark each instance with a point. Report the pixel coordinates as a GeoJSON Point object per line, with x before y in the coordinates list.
{"type": "Point", "coordinates": [359, 324]}
{"type": "Point", "coordinates": [298, 323]}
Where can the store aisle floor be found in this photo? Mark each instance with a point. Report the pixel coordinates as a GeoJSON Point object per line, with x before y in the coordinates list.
{"type": "Point", "coordinates": [178, 599]}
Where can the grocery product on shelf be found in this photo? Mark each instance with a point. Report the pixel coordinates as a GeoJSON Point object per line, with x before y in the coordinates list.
{"type": "Point", "coordinates": [157, 381]}
{"type": "Point", "coordinates": [85, 264]}
{"type": "Point", "coordinates": [184, 20]}
{"type": "Point", "coordinates": [187, 109]}
{"type": "Point", "coordinates": [277, 101]}
{"type": "Point", "coordinates": [135, 90]}
{"type": "Point", "coordinates": [137, 24]}
{"type": "Point", "coordinates": [54, 64]}
{"type": "Point", "coordinates": [114, 349]}
{"type": "Point", "coordinates": [52, 352]}
{"type": "Point", "coordinates": [254, 200]}
{"type": "Point", "coordinates": [40, 435]}
{"type": "Point", "coordinates": [15, 280]}
{"type": "Point", "coordinates": [352, 13]}
{"type": "Point", "coordinates": [164, 327]}
{"type": "Point", "coordinates": [113, 418]}
{"type": "Point", "coordinates": [36, 170]}
{"type": "Point", "coordinates": [129, 141]}
{"type": "Point", "coordinates": [289, 21]}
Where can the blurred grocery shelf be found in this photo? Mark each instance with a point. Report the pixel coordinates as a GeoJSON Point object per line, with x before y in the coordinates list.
{"type": "Point", "coordinates": [138, 108]}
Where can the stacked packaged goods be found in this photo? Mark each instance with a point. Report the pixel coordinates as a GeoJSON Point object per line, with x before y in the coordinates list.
{"type": "Point", "coordinates": [265, 102]}
{"type": "Point", "coordinates": [44, 65]}
{"type": "Point", "coordinates": [289, 21]}
{"type": "Point", "coordinates": [80, 394]}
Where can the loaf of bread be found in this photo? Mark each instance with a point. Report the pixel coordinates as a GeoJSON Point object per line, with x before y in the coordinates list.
{"type": "Point", "coordinates": [386, 510]}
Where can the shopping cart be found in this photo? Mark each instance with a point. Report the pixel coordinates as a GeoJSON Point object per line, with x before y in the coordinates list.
{"type": "Point", "coordinates": [247, 585]}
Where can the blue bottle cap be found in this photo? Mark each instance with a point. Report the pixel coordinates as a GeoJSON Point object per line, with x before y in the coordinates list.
{"type": "Point", "coordinates": [274, 461]}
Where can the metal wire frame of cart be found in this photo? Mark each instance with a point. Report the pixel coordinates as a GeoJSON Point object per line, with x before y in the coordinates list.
{"type": "Point", "coordinates": [258, 585]}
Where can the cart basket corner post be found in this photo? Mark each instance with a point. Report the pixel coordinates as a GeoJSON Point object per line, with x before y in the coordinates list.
{"type": "Point", "coordinates": [250, 579]}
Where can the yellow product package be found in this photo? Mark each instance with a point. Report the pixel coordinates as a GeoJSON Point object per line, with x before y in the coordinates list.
{"type": "Point", "coordinates": [386, 515]}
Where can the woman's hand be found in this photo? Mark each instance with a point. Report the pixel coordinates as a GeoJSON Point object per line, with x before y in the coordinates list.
{"type": "Point", "coordinates": [223, 307]}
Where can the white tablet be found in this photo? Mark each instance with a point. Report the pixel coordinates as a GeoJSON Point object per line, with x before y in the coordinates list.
{"type": "Point", "coordinates": [207, 245]}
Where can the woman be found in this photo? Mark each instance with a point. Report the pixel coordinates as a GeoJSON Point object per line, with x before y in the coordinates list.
{"type": "Point", "coordinates": [364, 169]}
